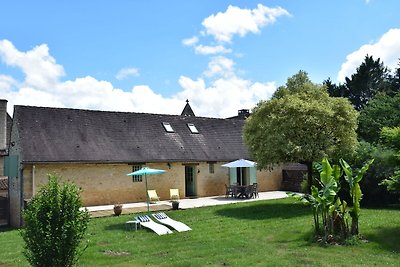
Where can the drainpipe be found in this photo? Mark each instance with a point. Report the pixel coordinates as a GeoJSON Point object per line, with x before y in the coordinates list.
{"type": "Point", "coordinates": [33, 180]}
{"type": "Point", "coordinates": [21, 192]}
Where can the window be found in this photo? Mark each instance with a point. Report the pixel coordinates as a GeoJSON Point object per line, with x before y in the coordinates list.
{"type": "Point", "coordinates": [211, 167]}
{"type": "Point", "coordinates": [168, 127]}
{"type": "Point", "coordinates": [192, 128]}
{"type": "Point", "coordinates": [136, 178]}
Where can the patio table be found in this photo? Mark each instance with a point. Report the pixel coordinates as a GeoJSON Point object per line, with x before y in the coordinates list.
{"type": "Point", "coordinates": [242, 191]}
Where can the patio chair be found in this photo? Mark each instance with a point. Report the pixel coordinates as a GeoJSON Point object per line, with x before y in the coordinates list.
{"type": "Point", "coordinates": [255, 190]}
{"type": "Point", "coordinates": [228, 191]}
{"type": "Point", "coordinates": [153, 195]}
{"type": "Point", "coordinates": [235, 190]}
{"type": "Point", "coordinates": [164, 219]}
{"type": "Point", "coordinates": [249, 192]}
{"type": "Point", "coordinates": [174, 194]}
{"type": "Point", "coordinates": [159, 229]}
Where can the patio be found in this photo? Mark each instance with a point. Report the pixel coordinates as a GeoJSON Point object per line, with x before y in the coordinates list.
{"type": "Point", "coordinates": [187, 203]}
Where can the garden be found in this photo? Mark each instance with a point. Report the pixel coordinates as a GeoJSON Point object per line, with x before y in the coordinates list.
{"type": "Point", "coordinates": [261, 233]}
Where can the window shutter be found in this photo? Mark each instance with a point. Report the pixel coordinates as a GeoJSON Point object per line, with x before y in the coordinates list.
{"type": "Point", "coordinates": [232, 175]}
{"type": "Point", "coordinates": [253, 175]}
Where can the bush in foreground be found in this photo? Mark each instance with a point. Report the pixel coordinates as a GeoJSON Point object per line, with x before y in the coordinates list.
{"type": "Point", "coordinates": [54, 225]}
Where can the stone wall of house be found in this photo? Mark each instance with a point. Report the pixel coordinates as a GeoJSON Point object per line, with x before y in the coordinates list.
{"type": "Point", "coordinates": [108, 183]}
{"type": "Point", "coordinates": [1, 166]}
{"type": "Point", "coordinates": [270, 180]}
{"type": "Point", "coordinates": [15, 183]}
{"type": "Point", "coordinates": [103, 183]}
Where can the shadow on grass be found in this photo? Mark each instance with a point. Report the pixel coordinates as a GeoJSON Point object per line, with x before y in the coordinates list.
{"type": "Point", "coordinates": [6, 229]}
{"type": "Point", "coordinates": [262, 211]}
{"type": "Point", "coordinates": [387, 238]}
{"type": "Point", "coordinates": [383, 207]}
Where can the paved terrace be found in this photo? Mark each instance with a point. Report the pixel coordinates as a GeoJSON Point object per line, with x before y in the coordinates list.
{"type": "Point", "coordinates": [187, 203]}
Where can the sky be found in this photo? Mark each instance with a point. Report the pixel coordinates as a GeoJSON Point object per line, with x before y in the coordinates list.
{"type": "Point", "coordinates": [150, 56]}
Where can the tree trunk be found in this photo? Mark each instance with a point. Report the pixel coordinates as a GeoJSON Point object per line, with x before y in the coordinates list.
{"type": "Point", "coordinates": [354, 226]}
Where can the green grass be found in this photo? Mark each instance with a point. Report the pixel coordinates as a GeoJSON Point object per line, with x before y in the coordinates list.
{"type": "Point", "coordinates": [262, 233]}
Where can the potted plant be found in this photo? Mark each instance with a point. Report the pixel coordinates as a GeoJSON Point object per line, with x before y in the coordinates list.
{"type": "Point", "coordinates": [117, 209]}
{"type": "Point", "coordinates": [175, 204]}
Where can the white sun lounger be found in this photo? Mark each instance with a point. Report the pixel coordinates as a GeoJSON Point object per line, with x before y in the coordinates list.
{"type": "Point", "coordinates": [164, 219]}
{"type": "Point", "coordinates": [156, 227]}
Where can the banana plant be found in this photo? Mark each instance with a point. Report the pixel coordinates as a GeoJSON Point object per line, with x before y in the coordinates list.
{"type": "Point", "coordinates": [322, 198]}
{"type": "Point", "coordinates": [340, 216]}
{"type": "Point", "coordinates": [355, 190]}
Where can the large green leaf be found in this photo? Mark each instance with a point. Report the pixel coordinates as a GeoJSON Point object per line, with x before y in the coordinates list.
{"type": "Point", "coordinates": [346, 168]}
{"type": "Point", "coordinates": [363, 170]}
{"type": "Point", "coordinates": [326, 174]}
{"type": "Point", "coordinates": [337, 172]}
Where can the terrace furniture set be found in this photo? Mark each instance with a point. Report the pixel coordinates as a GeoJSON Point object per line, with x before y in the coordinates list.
{"type": "Point", "coordinates": [242, 191]}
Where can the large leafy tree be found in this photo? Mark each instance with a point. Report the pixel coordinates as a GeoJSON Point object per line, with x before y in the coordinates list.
{"type": "Point", "coordinates": [301, 123]}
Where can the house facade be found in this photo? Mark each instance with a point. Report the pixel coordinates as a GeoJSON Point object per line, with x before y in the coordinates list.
{"type": "Point", "coordinates": [96, 149]}
{"type": "Point", "coordinates": [5, 128]}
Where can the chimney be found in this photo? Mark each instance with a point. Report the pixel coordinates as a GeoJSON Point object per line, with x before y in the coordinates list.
{"type": "Point", "coordinates": [243, 114]}
{"type": "Point", "coordinates": [3, 125]}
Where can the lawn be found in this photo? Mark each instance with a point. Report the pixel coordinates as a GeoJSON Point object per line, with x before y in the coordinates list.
{"type": "Point", "coordinates": [262, 233]}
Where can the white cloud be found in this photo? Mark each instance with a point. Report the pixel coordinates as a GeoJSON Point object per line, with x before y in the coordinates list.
{"type": "Point", "coordinates": [220, 66]}
{"type": "Point", "coordinates": [6, 83]}
{"type": "Point", "coordinates": [40, 69]}
{"type": "Point", "coordinates": [221, 97]}
{"type": "Point", "coordinates": [190, 41]}
{"type": "Point", "coordinates": [224, 25]}
{"type": "Point", "coordinates": [387, 48]}
{"type": "Point", "coordinates": [127, 72]}
{"type": "Point", "coordinates": [208, 50]}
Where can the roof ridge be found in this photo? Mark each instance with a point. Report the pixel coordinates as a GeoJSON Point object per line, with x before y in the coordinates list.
{"type": "Point", "coordinates": [116, 112]}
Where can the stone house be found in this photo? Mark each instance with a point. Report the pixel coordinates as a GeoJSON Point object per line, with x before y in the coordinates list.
{"type": "Point", "coordinates": [5, 129]}
{"type": "Point", "coordinates": [96, 149]}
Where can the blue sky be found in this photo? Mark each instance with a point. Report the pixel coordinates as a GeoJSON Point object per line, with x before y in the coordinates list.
{"type": "Point", "coordinates": [150, 56]}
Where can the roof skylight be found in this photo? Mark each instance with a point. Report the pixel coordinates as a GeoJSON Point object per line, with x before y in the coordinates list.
{"type": "Point", "coordinates": [168, 128]}
{"type": "Point", "coordinates": [192, 128]}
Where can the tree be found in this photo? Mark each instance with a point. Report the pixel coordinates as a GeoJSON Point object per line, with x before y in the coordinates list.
{"type": "Point", "coordinates": [382, 111]}
{"type": "Point", "coordinates": [370, 78]}
{"type": "Point", "coordinates": [54, 225]}
{"type": "Point", "coordinates": [335, 90]}
{"type": "Point", "coordinates": [295, 84]}
{"type": "Point", "coordinates": [301, 123]}
{"type": "Point", "coordinates": [395, 80]}
{"type": "Point", "coordinates": [391, 138]}
{"type": "Point", "coordinates": [383, 168]}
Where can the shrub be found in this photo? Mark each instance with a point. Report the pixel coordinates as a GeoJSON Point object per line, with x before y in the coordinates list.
{"type": "Point", "coordinates": [383, 168]}
{"type": "Point", "coordinates": [54, 225]}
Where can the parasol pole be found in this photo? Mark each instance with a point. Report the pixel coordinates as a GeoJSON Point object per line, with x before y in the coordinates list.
{"type": "Point", "coordinates": [147, 196]}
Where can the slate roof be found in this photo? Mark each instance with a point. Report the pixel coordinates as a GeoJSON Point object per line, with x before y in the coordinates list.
{"type": "Point", "coordinates": [73, 135]}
